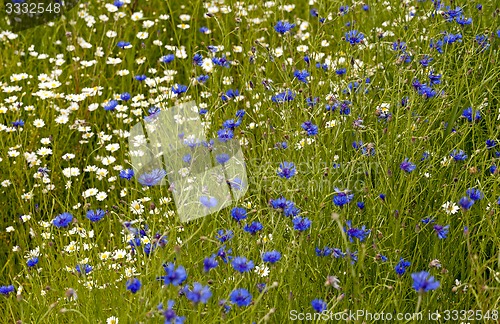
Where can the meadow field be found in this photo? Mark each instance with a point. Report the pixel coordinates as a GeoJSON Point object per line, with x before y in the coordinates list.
{"type": "Point", "coordinates": [366, 135]}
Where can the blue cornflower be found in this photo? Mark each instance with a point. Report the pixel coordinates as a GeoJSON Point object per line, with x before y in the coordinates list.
{"type": "Point", "coordinates": [452, 38]}
{"type": "Point", "coordinates": [281, 97]}
{"type": "Point", "coordinates": [469, 114]}
{"type": "Point", "coordinates": [32, 262]}
{"type": "Point", "coordinates": [441, 231]}
{"type": "Point", "coordinates": [287, 170]}
{"type": "Point", "coordinates": [326, 251]}
{"type": "Point", "coordinates": [401, 266]}
{"type": "Point", "coordinates": [301, 223]}
{"type": "Point", "coordinates": [152, 178]}
{"type": "Point", "coordinates": [18, 123]}
{"type": "Point", "coordinates": [236, 183]}
{"type": "Point", "coordinates": [5, 290]}
{"type": "Point", "coordinates": [170, 315]}
{"type": "Point", "coordinates": [354, 37]}
{"type": "Point", "coordinates": [341, 71]}
{"type": "Point", "coordinates": [167, 58]}
{"type": "Point", "coordinates": [240, 297]}
{"type": "Point", "coordinates": [204, 30]}
{"type": "Point", "coordinates": [253, 228]}
{"type": "Point", "coordinates": [271, 257]}
{"type": "Point", "coordinates": [359, 233]}
{"type": "Point", "coordinates": [199, 293]}
{"type": "Point", "coordinates": [426, 60]}
{"type": "Point", "coordinates": [426, 91]}
{"type": "Point", "coordinates": [310, 128]}
{"type": "Point", "coordinates": [221, 61]}
{"type": "Point", "coordinates": [62, 220]}
{"type": "Point", "coordinates": [366, 7]}
{"type": "Point", "coordinates": [238, 213]}
{"type": "Point", "coordinates": [345, 108]}
{"type": "Point", "coordinates": [461, 20]}
{"type": "Point", "coordinates": [437, 45]}
{"type": "Point", "coordinates": [111, 105]}
{"type": "Point", "coordinates": [458, 155]}
{"type": "Point", "coordinates": [261, 286]}
{"type": "Point", "coordinates": [179, 88]}
{"type": "Point", "coordinates": [240, 113]}
{"type": "Point", "coordinates": [491, 143]}
{"type": "Point", "coordinates": [434, 78]}
{"type": "Point", "coordinates": [337, 253]}
{"type": "Point", "coordinates": [474, 194]}
{"type": "Point", "coordinates": [187, 158]}
{"type": "Point", "coordinates": [319, 305]}
{"type": "Point", "coordinates": [241, 264]}
{"type": "Point", "coordinates": [123, 44]}
{"type": "Point", "coordinates": [85, 268]}
{"type": "Point", "coordinates": [283, 26]}
{"type": "Point", "coordinates": [282, 145]}
{"type": "Point", "coordinates": [343, 10]}
{"type": "Point", "coordinates": [225, 255]}
{"type": "Point", "coordinates": [141, 77]}
{"type": "Point", "coordinates": [231, 123]}
{"type": "Point", "coordinates": [222, 158]}
{"type": "Point", "coordinates": [301, 75]}
{"type": "Point", "coordinates": [482, 40]}
{"type": "Point", "coordinates": [406, 58]}
{"type": "Point", "coordinates": [148, 248]}
{"type": "Point", "coordinates": [212, 48]}
{"type": "Point", "coordinates": [202, 79]}
{"type": "Point", "coordinates": [341, 198]}
{"type": "Point", "coordinates": [125, 96]}
{"type": "Point", "coordinates": [361, 205]}
{"type": "Point", "coordinates": [198, 59]}
{"type": "Point", "coordinates": [278, 203]}
{"type": "Point", "coordinates": [127, 174]}
{"type": "Point", "coordinates": [465, 203]}
{"type": "Point", "coordinates": [224, 235]}
{"type": "Point", "coordinates": [172, 275]}
{"type": "Point", "coordinates": [427, 220]}
{"type": "Point", "coordinates": [225, 134]}
{"type": "Point", "coordinates": [133, 285]}
{"type": "Point", "coordinates": [95, 216]}
{"type": "Point", "coordinates": [399, 46]}
{"type": "Point", "coordinates": [230, 94]}
{"type": "Point", "coordinates": [210, 263]}
{"type": "Point", "coordinates": [452, 13]}
{"type": "Point", "coordinates": [290, 209]}
{"type": "Point", "coordinates": [118, 3]}
{"type": "Point", "coordinates": [423, 282]}
{"type": "Point", "coordinates": [208, 202]}
{"type": "Point", "coordinates": [353, 256]}
{"type": "Point", "coordinates": [407, 166]}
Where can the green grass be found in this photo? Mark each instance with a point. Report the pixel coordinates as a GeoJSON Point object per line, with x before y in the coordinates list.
{"type": "Point", "coordinates": [470, 78]}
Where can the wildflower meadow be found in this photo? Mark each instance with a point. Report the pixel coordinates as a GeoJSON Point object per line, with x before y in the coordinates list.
{"type": "Point", "coordinates": [328, 161]}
